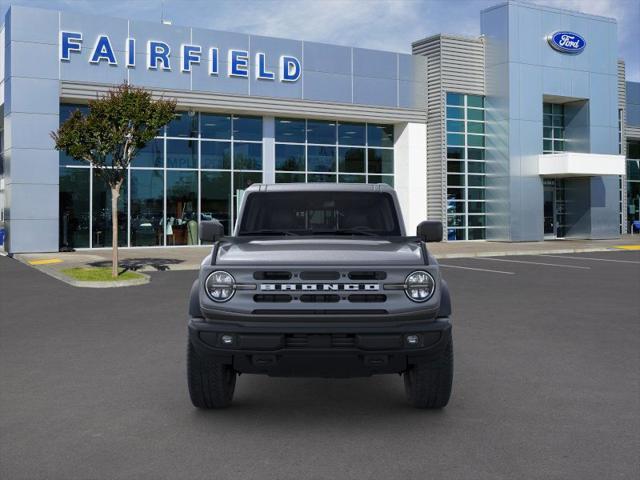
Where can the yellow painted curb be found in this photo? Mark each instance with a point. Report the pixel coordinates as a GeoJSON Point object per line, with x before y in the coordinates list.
{"type": "Point", "coordinates": [47, 261]}
{"type": "Point", "coordinates": [628, 247]}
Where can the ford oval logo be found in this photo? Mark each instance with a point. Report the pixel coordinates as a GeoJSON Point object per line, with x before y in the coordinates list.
{"type": "Point", "coordinates": [567, 42]}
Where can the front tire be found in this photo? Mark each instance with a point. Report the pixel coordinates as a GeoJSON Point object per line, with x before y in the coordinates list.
{"type": "Point", "coordinates": [211, 384]}
{"type": "Point", "coordinates": [428, 384]}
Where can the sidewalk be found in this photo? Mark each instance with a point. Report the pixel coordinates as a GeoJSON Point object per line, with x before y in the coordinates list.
{"type": "Point", "coordinates": [499, 249]}
{"type": "Point", "coordinates": [189, 258]}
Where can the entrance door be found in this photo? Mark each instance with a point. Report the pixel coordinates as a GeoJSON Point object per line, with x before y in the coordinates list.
{"type": "Point", "coordinates": [549, 208]}
{"type": "Point", "coordinates": [554, 208]}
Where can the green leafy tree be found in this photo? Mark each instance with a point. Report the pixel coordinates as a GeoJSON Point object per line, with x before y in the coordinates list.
{"type": "Point", "coordinates": [117, 126]}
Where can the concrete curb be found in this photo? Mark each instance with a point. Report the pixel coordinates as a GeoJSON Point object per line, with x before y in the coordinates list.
{"type": "Point", "coordinates": [191, 263]}
{"type": "Point", "coordinates": [525, 252]}
{"type": "Point", "coordinates": [84, 284]}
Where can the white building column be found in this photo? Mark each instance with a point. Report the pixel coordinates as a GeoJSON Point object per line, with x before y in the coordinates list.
{"type": "Point", "coordinates": [268, 150]}
{"type": "Point", "coordinates": [410, 167]}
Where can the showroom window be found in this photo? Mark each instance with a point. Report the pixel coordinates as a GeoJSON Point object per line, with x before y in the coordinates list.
{"type": "Point", "coordinates": [552, 128]}
{"type": "Point", "coordinates": [74, 206]}
{"type": "Point", "coordinates": [621, 178]}
{"type": "Point", "coordinates": [465, 130]}
{"type": "Point", "coordinates": [633, 183]}
{"type": "Point", "coordinates": [330, 151]}
{"type": "Point", "coordinates": [195, 169]}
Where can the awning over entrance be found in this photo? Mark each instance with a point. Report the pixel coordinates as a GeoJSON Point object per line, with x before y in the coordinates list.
{"type": "Point", "coordinates": [573, 164]}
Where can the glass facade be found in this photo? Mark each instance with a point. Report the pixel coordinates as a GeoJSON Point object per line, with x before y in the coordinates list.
{"type": "Point", "coordinates": [197, 168]}
{"type": "Point", "coordinates": [465, 130]}
{"type": "Point", "coordinates": [193, 170]}
{"type": "Point", "coordinates": [552, 128]}
{"type": "Point", "coordinates": [330, 151]}
{"type": "Point", "coordinates": [633, 185]}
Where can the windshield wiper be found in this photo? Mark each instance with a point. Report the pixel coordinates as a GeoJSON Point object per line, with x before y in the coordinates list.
{"type": "Point", "coordinates": [347, 231]}
{"type": "Point", "coordinates": [269, 231]}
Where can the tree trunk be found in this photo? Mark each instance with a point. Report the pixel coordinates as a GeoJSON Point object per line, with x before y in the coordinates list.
{"type": "Point", "coordinates": [115, 193]}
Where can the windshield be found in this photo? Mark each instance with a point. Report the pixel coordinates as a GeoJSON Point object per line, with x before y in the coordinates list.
{"type": "Point", "coordinates": [319, 213]}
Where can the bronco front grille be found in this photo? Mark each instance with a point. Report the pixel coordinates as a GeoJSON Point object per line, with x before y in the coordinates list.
{"type": "Point", "coordinates": [367, 275]}
{"type": "Point", "coordinates": [320, 275]}
{"type": "Point", "coordinates": [318, 311]}
{"type": "Point", "coordinates": [272, 275]}
{"type": "Point", "coordinates": [297, 340]}
{"type": "Point", "coordinates": [363, 298]}
{"type": "Point", "coordinates": [317, 286]}
{"type": "Point", "coordinates": [319, 298]}
{"type": "Point", "coordinates": [275, 298]}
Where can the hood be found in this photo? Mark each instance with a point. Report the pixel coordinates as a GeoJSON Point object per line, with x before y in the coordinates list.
{"type": "Point", "coordinates": [315, 251]}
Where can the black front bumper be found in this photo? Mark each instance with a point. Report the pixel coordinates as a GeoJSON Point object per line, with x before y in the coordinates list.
{"type": "Point", "coordinates": [297, 350]}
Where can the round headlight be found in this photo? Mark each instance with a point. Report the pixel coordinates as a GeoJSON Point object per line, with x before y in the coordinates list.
{"type": "Point", "coordinates": [220, 286]}
{"type": "Point", "coordinates": [419, 286]}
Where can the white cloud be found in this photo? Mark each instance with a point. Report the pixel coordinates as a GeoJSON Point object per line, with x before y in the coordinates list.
{"type": "Point", "coordinates": [378, 24]}
{"type": "Point", "coordinates": [364, 23]}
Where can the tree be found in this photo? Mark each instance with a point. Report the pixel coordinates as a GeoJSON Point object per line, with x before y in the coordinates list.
{"type": "Point", "coordinates": [117, 126]}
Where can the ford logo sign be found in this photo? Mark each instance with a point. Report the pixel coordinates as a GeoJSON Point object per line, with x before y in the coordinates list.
{"type": "Point", "coordinates": [567, 42]}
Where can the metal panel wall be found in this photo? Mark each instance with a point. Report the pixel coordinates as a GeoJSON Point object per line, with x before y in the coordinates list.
{"type": "Point", "coordinates": [455, 64]}
{"type": "Point", "coordinates": [79, 91]}
{"type": "Point", "coordinates": [622, 112]}
{"type": "Point", "coordinates": [329, 73]}
{"type": "Point", "coordinates": [521, 69]}
{"type": "Point", "coordinates": [632, 108]}
{"type": "Point", "coordinates": [436, 170]}
{"type": "Point", "coordinates": [30, 114]}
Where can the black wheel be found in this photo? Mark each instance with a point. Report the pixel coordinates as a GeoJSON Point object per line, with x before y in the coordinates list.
{"type": "Point", "coordinates": [211, 384]}
{"type": "Point", "coordinates": [428, 384]}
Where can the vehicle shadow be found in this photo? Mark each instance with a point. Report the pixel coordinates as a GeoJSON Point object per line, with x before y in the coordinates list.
{"type": "Point", "coordinates": [316, 403]}
{"type": "Point", "coordinates": [159, 264]}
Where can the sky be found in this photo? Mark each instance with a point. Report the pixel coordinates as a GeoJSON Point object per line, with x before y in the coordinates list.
{"type": "Point", "coordinates": [378, 24]}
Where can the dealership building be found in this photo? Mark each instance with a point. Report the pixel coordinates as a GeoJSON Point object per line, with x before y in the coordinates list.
{"type": "Point", "coordinates": [525, 133]}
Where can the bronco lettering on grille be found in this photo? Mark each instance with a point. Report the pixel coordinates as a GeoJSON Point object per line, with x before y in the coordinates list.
{"type": "Point", "coordinates": [323, 287]}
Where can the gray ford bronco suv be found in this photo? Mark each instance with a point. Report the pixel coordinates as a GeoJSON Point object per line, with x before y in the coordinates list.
{"type": "Point", "coordinates": [320, 280]}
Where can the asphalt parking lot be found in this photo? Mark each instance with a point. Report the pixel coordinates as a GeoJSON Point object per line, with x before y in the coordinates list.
{"type": "Point", "coordinates": [547, 385]}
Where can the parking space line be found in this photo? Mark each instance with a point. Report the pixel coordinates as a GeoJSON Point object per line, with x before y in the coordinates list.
{"type": "Point", "coordinates": [478, 269]}
{"type": "Point", "coordinates": [531, 263]}
{"type": "Point", "coordinates": [46, 261]}
{"type": "Point", "coordinates": [591, 258]}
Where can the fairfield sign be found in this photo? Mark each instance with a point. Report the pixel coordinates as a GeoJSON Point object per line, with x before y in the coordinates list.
{"type": "Point", "coordinates": [159, 56]}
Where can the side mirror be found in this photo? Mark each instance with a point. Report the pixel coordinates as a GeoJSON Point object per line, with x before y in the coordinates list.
{"type": "Point", "coordinates": [430, 231]}
{"type": "Point", "coordinates": [210, 231]}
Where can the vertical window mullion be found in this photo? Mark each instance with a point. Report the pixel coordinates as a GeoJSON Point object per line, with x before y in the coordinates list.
{"type": "Point", "coordinates": [164, 191]}
{"type": "Point", "coordinates": [90, 206]}
{"type": "Point", "coordinates": [466, 169]}
{"type": "Point", "coordinates": [199, 177]}
{"type": "Point", "coordinates": [366, 154]}
{"type": "Point", "coordinates": [335, 171]}
{"type": "Point", "coordinates": [129, 206]}
{"type": "Point", "coordinates": [232, 204]}
{"type": "Point", "coordinates": [337, 146]}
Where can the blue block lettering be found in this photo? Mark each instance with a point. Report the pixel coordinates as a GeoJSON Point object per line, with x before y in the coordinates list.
{"type": "Point", "coordinates": [290, 70]}
{"type": "Point", "coordinates": [103, 51]}
{"type": "Point", "coordinates": [131, 52]}
{"type": "Point", "coordinates": [261, 68]}
{"type": "Point", "coordinates": [158, 52]}
{"type": "Point", "coordinates": [69, 42]}
{"type": "Point", "coordinates": [190, 55]}
{"type": "Point", "coordinates": [238, 63]}
{"type": "Point", "coordinates": [213, 61]}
